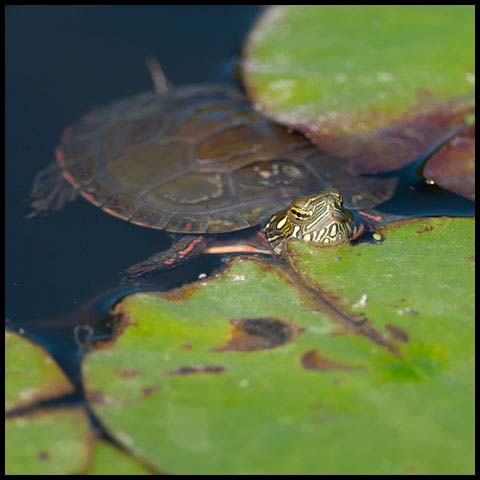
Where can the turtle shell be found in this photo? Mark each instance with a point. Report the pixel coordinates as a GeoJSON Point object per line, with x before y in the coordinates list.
{"type": "Point", "coordinates": [198, 159]}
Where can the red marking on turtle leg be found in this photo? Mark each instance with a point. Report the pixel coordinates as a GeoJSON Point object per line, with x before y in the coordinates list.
{"type": "Point", "coordinates": [375, 218]}
{"type": "Point", "coordinates": [188, 227]}
{"type": "Point", "coordinates": [190, 247]}
{"type": "Point", "coordinates": [168, 258]}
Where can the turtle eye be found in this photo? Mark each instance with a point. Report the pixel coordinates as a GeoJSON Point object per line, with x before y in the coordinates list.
{"type": "Point", "coordinates": [299, 213]}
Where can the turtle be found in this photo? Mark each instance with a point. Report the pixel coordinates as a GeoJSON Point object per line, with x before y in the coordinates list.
{"type": "Point", "coordinates": [199, 162]}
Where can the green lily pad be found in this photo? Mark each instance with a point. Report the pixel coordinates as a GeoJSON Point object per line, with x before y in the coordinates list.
{"type": "Point", "coordinates": [262, 370]}
{"type": "Point", "coordinates": [377, 86]}
{"type": "Point", "coordinates": [110, 460]}
{"type": "Point", "coordinates": [48, 442]}
{"type": "Point", "coordinates": [31, 374]}
{"type": "Point", "coordinates": [453, 165]}
{"type": "Point", "coordinates": [59, 441]}
{"type": "Point", "coordinates": [417, 284]}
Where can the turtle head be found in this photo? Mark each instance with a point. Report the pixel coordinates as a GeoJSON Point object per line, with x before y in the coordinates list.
{"type": "Point", "coordinates": [320, 218]}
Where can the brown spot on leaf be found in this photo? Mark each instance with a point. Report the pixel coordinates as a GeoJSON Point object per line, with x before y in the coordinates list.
{"type": "Point", "coordinates": [471, 259]}
{"type": "Point", "coordinates": [249, 334]}
{"type": "Point", "coordinates": [96, 396]}
{"type": "Point", "coordinates": [344, 330]}
{"type": "Point", "coordinates": [43, 455]}
{"type": "Point", "coordinates": [424, 93]}
{"type": "Point", "coordinates": [359, 319]}
{"type": "Point", "coordinates": [118, 320]}
{"type": "Point", "coordinates": [147, 391]}
{"type": "Point", "coordinates": [397, 332]}
{"type": "Point", "coordinates": [425, 229]}
{"type": "Point", "coordinates": [313, 360]}
{"type": "Point", "coordinates": [186, 346]}
{"type": "Point", "coordinates": [128, 373]}
{"type": "Point", "coordinates": [412, 470]}
{"type": "Point", "coordinates": [197, 369]}
{"type": "Point", "coordinates": [181, 294]}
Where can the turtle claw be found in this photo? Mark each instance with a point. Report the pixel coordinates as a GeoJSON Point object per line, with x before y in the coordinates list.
{"type": "Point", "coordinates": [50, 192]}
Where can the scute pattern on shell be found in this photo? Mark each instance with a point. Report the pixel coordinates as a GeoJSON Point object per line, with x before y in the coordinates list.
{"type": "Point", "coordinates": [199, 159]}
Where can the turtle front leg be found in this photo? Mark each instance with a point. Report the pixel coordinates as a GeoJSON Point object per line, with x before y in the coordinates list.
{"type": "Point", "coordinates": [50, 191]}
{"type": "Point", "coordinates": [181, 250]}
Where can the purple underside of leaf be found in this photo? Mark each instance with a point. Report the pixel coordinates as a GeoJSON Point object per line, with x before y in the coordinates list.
{"type": "Point", "coordinates": [453, 165]}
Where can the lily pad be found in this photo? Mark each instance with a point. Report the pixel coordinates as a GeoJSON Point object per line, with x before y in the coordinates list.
{"type": "Point", "coordinates": [417, 284]}
{"type": "Point", "coordinates": [377, 86]}
{"type": "Point", "coordinates": [48, 442]}
{"type": "Point", "coordinates": [453, 165]}
{"type": "Point", "coordinates": [59, 441]}
{"type": "Point", "coordinates": [31, 374]}
{"type": "Point", "coordinates": [110, 460]}
{"type": "Point", "coordinates": [263, 370]}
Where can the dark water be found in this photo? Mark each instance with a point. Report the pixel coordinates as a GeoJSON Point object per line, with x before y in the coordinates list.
{"type": "Point", "coordinates": [60, 62]}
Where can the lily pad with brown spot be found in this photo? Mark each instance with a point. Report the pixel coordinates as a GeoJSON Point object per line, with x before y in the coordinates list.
{"type": "Point", "coordinates": [59, 441]}
{"type": "Point", "coordinates": [48, 442]}
{"type": "Point", "coordinates": [250, 334]}
{"type": "Point", "coordinates": [31, 374]}
{"type": "Point", "coordinates": [282, 409]}
{"type": "Point", "coordinates": [376, 86]}
{"type": "Point", "coordinates": [418, 288]}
